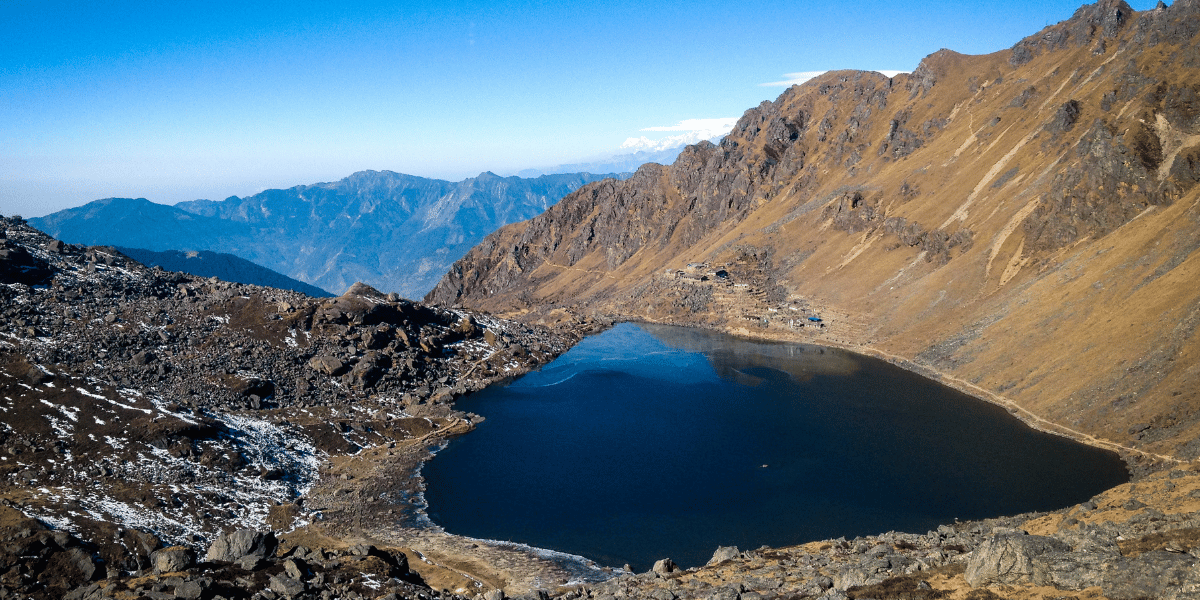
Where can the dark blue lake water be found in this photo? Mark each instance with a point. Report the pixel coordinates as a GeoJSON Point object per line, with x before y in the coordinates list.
{"type": "Point", "coordinates": [647, 442]}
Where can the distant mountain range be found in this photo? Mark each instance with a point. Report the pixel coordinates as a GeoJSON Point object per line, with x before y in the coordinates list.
{"type": "Point", "coordinates": [226, 267]}
{"type": "Point", "coordinates": [393, 231]}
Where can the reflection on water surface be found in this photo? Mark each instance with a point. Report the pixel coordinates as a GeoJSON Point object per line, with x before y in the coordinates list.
{"type": "Point", "coordinates": [647, 442]}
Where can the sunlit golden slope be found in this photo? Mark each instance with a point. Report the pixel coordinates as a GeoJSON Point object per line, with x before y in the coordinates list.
{"type": "Point", "coordinates": [1025, 222]}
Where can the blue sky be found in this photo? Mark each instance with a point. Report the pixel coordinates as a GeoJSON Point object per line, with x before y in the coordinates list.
{"type": "Point", "coordinates": [181, 100]}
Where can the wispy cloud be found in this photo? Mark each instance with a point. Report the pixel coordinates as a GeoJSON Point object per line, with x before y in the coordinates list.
{"type": "Point", "coordinates": [718, 125]}
{"type": "Point", "coordinates": [793, 79]}
{"type": "Point", "coordinates": [801, 77]}
{"type": "Point", "coordinates": [691, 131]}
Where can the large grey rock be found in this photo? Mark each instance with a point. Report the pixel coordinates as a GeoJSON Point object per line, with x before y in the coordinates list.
{"type": "Point", "coordinates": [729, 592]}
{"type": "Point", "coordinates": [294, 568]}
{"type": "Point", "coordinates": [1074, 570]}
{"type": "Point", "coordinates": [244, 542]}
{"type": "Point", "coordinates": [1010, 559]}
{"type": "Point", "coordinates": [1155, 574]}
{"type": "Point", "coordinates": [249, 563]}
{"type": "Point", "coordinates": [68, 569]}
{"type": "Point", "coordinates": [286, 586]}
{"type": "Point", "coordinates": [172, 560]}
{"type": "Point", "coordinates": [328, 365]}
{"type": "Point", "coordinates": [664, 566]}
{"type": "Point", "coordinates": [193, 589]}
{"type": "Point", "coordinates": [850, 577]}
{"type": "Point", "coordinates": [723, 554]}
{"type": "Point", "coordinates": [662, 594]}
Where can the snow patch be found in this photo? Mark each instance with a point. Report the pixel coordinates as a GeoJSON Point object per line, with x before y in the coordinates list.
{"type": "Point", "coordinates": [69, 412]}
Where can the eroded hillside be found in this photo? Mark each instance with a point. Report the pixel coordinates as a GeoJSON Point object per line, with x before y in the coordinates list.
{"type": "Point", "coordinates": [1023, 223]}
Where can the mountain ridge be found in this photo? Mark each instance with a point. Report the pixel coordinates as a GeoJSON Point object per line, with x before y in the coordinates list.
{"type": "Point", "coordinates": [226, 267]}
{"type": "Point", "coordinates": [1023, 222]}
{"type": "Point", "coordinates": [397, 232]}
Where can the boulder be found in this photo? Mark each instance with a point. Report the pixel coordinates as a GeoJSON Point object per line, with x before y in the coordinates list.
{"type": "Point", "coordinates": [193, 589]}
{"type": "Point", "coordinates": [245, 542]}
{"type": "Point", "coordinates": [172, 560]}
{"type": "Point", "coordinates": [329, 365]}
{"type": "Point", "coordinates": [1075, 570]}
{"type": "Point", "coordinates": [1011, 559]}
{"type": "Point", "coordinates": [1154, 574]}
{"type": "Point", "coordinates": [367, 370]}
{"type": "Point", "coordinates": [294, 568]}
{"type": "Point", "coordinates": [664, 566]}
{"type": "Point", "coordinates": [143, 358]}
{"type": "Point", "coordinates": [723, 554]}
{"type": "Point", "coordinates": [68, 569]}
{"type": "Point", "coordinates": [249, 562]}
{"type": "Point", "coordinates": [286, 586]}
{"type": "Point", "coordinates": [363, 290]}
{"type": "Point", "coordinates": [17, 265]}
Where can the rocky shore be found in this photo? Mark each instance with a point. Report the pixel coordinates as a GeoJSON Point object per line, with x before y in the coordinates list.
{"type": "Point", "coordinates": [1138, 540]}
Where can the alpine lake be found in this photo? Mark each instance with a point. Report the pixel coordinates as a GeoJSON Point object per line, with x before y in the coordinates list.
{"type": "Point", "coordinates": [646, 442]}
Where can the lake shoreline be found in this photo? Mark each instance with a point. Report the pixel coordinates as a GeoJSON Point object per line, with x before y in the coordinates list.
{"type": "Point", "coordinates": [496, 565]}
{"type": "Point", "coordinates": [1139, 462]}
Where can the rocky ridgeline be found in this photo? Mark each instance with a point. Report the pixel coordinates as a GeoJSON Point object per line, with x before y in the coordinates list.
{"type": "Point", "coordinates": [143, 408]}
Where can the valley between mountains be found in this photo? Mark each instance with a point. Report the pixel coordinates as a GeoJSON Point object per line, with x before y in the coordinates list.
{"type": "Point", "coordinates": [1021, 225]}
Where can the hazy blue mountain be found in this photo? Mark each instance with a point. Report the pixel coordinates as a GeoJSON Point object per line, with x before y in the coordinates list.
{"type": "Point", "coordinates": [226, 267]}
{"type": "Point", "coordinates": [395, 232]}
{"type": "Point", "coordinates": [136, 223]}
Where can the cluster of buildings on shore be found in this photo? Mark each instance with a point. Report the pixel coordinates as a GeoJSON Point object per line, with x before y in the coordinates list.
{"type": "Point", "coordinates": [794, 314]}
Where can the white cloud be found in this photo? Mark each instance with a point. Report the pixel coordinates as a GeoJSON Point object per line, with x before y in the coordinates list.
{"type": "Point", "coordinates": [719, 126]}
{"type": "Point", "coordinates": [801, 77]}
{"type": "Point", "coordinates": [793, 79]}
{"type": "Point", "coordinates": [691, 131]}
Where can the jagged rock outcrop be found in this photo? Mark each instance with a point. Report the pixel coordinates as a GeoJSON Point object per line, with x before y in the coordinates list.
{"type": "Point", "coordinates": [1022, 222]}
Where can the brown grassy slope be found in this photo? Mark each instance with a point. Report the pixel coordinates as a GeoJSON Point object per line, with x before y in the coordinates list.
{"type": "Point", "coordinates": [1025, 221]}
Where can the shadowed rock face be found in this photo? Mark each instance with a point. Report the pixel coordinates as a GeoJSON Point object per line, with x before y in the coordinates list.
{"type": "Point", "coordinates": [1023, 221]}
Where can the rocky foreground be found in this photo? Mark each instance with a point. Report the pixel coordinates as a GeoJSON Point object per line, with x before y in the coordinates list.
{"type": "Point", "coordinates": [145, 409]}
{"type": "Point", "coordinates": [166, 436]}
